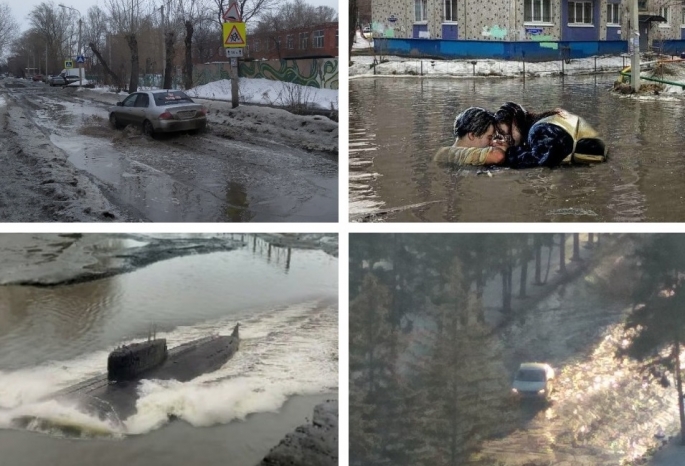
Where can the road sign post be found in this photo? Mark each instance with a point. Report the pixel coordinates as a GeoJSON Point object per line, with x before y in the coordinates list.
{"type": "Point", "coordinates": [234, 40]}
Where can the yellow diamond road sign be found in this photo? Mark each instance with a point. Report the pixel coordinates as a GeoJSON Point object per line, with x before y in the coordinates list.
{"type": "Point", "coordinates": [234, 35]}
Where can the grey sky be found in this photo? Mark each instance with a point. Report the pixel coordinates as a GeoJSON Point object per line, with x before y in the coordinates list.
{"type": "Point", "coordinates": [22, 8]}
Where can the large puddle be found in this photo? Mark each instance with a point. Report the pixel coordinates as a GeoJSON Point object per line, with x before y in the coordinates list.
{"type": "Point", "coordinates": [397, 125]}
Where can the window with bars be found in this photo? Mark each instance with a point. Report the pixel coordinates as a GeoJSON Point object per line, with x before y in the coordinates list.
{"type": "Point", "coordinates": [317, 39]}
{"type": "Point", "coordinates": [289, 41]}
{"type": "Point", "coordinates": [579, 12]}
{"type": "Point", "coordinates": [613, 13]}
{"type": "Point", "coordinates": [420, 7]}
{"type": "Point", "coordinates": [537, 11]}
{"type": "Point", "coordinates": [450, 10]}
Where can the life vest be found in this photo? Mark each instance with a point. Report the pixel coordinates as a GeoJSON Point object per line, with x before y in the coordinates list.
{"type": "Point", "coordinates": [588, 147]}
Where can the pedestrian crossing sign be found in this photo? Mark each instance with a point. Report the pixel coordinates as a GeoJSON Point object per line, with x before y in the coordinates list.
{"type": "Point", "coordinates": [234, 35]}
{"type": "Point", "coordinates": [68, 64]}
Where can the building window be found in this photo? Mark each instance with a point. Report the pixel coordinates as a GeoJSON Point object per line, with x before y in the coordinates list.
{"type": "Point", "coordinates": [641, 5]}
{"type": "Point", "coordinates": [289, 41]}
{"type": "Point", "coordinates": [303, 40]}
{"type": "Point", "coordinates": [255, 46]}
{"type": "Point", "coordinates": [450, 10]}
{"type": "Point", "coordinates": [614, 13]}
{"type": "Point", "coordinates": [317, 40]}
{"type": "Point", "coordinates": [420, 10]}
{"type": "Point", "coordinates": [537, 11]}
{"type": "Point", "coordinates": [665, 11]}
{"type": "Point", "coordinates": [579, 12]}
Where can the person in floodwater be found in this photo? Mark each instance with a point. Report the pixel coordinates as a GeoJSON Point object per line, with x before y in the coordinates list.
{"type": "Point", "coordinates": [548, 139]}
{"type": "Point", "coordinates": [475, 144]}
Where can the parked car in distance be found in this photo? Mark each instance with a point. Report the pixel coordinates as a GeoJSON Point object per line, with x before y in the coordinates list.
{"type": "Point", "coordinates": [533, 380]}
{"type": "Point", "coordinates": [159, 111]}
{"type": "Point", "coordinates": [37, 77]}
{"type": "Point", "coordinates": [58, 80]}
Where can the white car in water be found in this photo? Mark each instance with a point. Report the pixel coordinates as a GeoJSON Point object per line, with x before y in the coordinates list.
{"type": "Point", "coordinates": [533, 380]}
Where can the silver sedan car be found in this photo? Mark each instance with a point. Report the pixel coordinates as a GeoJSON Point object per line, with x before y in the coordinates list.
{"type": "Point", "coordinates": [159, 111]}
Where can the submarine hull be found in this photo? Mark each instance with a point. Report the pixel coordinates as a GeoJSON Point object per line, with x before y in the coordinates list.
{"type": "Point", "coordinates": [115, 398]}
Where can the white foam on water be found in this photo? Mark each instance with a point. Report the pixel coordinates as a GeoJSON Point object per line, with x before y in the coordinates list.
{"type": "Point", "coordinates": [293, 351]}
{"type": "Point", "coordinates": [283, 352]}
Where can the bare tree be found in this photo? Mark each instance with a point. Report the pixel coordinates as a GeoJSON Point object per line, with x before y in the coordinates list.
{"type": "Point", "coordinates": [126, 17]}
{"type": "Point", "coordinates": [8, 27]}
{"type": "Point", "coordinates": [248, 8]}
{"type": "Point", "coordinates": [193, 13]}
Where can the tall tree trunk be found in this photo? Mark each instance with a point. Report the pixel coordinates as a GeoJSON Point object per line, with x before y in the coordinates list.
{"type": "Point", "coordinates": [590, 240]}
{"type": "Point", "coordinates": [524, 276]}
{"type": "Point", "coordinates": [549, 263]}
{"type": "Point", "coordinates": [562, 253]}
{"type": "Point", "coordinates": [115, 78]}
{"type": "Point", "coordinates": [169, 40]}
{"type": "Point", "coordinates": [507, 272]}
{"type": "Point", "coordinates": [188, 68]}
{"type": "Point", "coordinates": [679, 386]}
{"type": "Point", "coordinates": [135, 67]}
{"type": "Point", "coordinates": [576, 247]}
{"type": "Point", "coordinates": [537, 244]}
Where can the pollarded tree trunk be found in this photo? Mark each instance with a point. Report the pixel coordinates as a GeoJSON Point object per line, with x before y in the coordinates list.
{"type": "Point", "coordinates": [169, 40]}
{"type": "Point", "coordinates": [135, 67]}
{"type": "Point", "coordinates": [115, 78]}
{"type": "Point", "coordinates": [188, 68]}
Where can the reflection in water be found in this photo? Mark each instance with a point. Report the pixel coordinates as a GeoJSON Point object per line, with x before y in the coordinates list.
{"type": "Point", "coordinates": [237, 203]}
{"type": "Point", "coordinates": [396, 125]}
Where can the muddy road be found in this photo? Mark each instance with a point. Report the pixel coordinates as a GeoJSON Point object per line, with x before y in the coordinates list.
{"type": "Point", "coordinates": [63, 162]}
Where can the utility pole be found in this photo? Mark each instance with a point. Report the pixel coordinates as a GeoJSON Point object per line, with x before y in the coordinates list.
{"type": "Point", "coordinates": [80, 63]}
{"type": "Point", "coordinates": [235, 96]}
{"type": "Point", "coordinates": [635, 40]}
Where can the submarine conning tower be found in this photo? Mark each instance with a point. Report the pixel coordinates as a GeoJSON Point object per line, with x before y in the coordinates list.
{"type": "Point", "coordinates": [130, 361]}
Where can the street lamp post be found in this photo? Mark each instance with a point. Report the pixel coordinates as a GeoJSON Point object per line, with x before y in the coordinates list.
{"type": "Point", "coordinates": [78, 53]}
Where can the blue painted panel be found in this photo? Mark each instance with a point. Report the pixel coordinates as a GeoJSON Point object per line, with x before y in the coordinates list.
{"type": "Point", "coordinates": [613, 33]}
{"type": "Point", "coordinates": [672, 47]}
{"type": "Point", "coordinates": [528, 50]}
{"type": "Point", "coordinates": [450, 32]}
{"type": "Point", "coordinates": [682, 33]}
{"type": "Point", "coordinates": [418, 28]}
{"type": "Point", "coordinates": [580, 33]}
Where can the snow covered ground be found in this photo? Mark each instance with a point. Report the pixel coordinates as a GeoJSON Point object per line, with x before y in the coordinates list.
{"type": "Point", "coordinates": [402, 66]}
{"type": "Point", "coordinates": [263, 92]}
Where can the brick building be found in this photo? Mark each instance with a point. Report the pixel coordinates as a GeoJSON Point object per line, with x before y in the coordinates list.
{"type": "Point", "coordinates": [311, 42]}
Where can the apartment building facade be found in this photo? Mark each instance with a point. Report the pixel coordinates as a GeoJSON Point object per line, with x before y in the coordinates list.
{"type": "Point", "coordinates": [527, 20]}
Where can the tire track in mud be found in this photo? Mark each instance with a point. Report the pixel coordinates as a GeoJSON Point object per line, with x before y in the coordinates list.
{"type": "Point", "coordinates": [38, 184]}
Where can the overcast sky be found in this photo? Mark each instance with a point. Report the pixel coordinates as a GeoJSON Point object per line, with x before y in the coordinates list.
{"type": "Point", "coordinates": [22, 8]}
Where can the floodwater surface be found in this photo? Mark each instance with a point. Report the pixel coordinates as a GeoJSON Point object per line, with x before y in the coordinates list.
{"type": "Point", "coordinates": [53, 337]}
{"type": "Point", "coordinates": [397, 125]}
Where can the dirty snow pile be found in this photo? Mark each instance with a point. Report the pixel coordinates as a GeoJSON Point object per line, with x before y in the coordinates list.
{"type": "Point", "coordinates": [269, 92]}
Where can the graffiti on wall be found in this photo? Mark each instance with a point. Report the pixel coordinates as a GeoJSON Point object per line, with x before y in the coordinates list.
{"type": "Point", "coordinates": [321, 73]}
{"type": "Point", "coordinates": [495, 31]}
{"type": "Point", "coordinates": [314, 72]}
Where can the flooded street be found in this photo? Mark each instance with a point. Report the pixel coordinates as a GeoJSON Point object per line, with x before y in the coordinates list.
{"type": "Point", "coordinates": [229, 174]}
{"type": "Point", "coordinates": [52, 337]}
{"type": "Point", "coordinates": [397, 125]}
